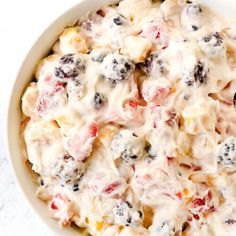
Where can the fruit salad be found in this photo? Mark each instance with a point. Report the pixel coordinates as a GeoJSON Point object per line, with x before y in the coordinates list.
{"type": "Point", "coordinates": [129, 123]}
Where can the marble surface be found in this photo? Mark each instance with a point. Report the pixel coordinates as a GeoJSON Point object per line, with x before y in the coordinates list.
{"type": "Point", "coordinates": [20, 24]}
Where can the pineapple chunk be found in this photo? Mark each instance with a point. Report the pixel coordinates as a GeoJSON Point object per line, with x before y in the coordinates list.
{"type": "Point", "coordinates": [67, 119]}
{"type": "Point", "coordinates": [134, 9]}
{"type": "Point", "coordinates": [99, 225]}
{"type": "Point", "coordinates": [106, 134]}
{"type": "Point", "coordinates": [137, 48]}
{"type": "Point", "coordinates": [72, 41]}
{"type": "Point", "coordinates": [196, 118]}
{"type": "Point", "coordinates": [63, 121]}
{"type": "Point", "coordinates": [183, 143]}
{"type": "Point", "coordinates": [29, 100]}
{"type": "Point", "coordinates": [43, 65]}
{"type": "Point", "coordinates": [193, 111]}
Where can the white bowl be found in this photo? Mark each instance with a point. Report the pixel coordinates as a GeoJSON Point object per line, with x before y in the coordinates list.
{"type": "Point", "coordinates": [24, 76]}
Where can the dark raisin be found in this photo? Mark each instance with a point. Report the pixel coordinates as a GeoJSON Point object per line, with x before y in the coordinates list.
{"type": "Point", "coordinates": [124, 212]}
{"type": "Point", "coordinates": [213, 45]}
{"type": "Point", "coordinates": [67, 170]}
{"type": "Point", "coordinates": [186, 97]}
{"type": "Point", "coordinates": [119, 210]}
{"type": "Point", "coordinates": [118, 67]}
{"type": "Point", "coordinates": [161, 66]}
{"type": "Point", "coordinates": [59, 73]}
{"type": "Point", "coordinates": [66, 158]}
{"type": "Point", "coordinates": [118, 20]}
{"type": "Point", "coordinates": [189, 2]}
{"type": "Point", "coordinates": [140, 214]}
{"type": "Point", "coordinates": [77, 82]}
{"type": "Point", "coordinates": [41, 182]}
{"type": "Point", "coordinates": [200, 73]}
{"type": "Point", "coordinates": [76, 187]}
{"type": "Point", "coordinates": [149, 150]}
{"type": "Point", "coordinates": [219, 38]}
{"type": "Point", "coordinates": [153, 64]}
{"type": "Point", "coordinates": [194, 27]}
{"type": "Point", "coordinates": [234, 100]}
{"type": "Point", "coordinates": [207, 38]}
{"type": "Point", "coordinates": [115, 62]}
{"type": "Point", "coordinates": [148, 147]}
{"type": "Point", "coordinates": [163, 224]}
{"type": "Point", "coordinates": [128, 147]}
{"type": "Point", "coordinates": [189, 81]}
{"type": "Point", "coordinates": [129, 220]}
{"type": "Point", "coordinates": [63, 74]}
{"type": "Point", "coordinates": [216, 36]}
{"type": "Point", "coordinates": [232, 146]}
{"type": "Point", "coordinates": [226, 154]}
{"type": "Point", "coordinates": [197, 76]}
{"type": "Point", "coordinates": [166, 228]}
{"type": "Point", "coordinates": [129, 204]}
{"type": "Point", "coordinates": [230, 221]}
{"type": "Point", "coordinates": [127, 66]}
{"type": "Point", "coordinates": [126, 157]}
{"type": "Point", "coordinates": [69, 66]}
{"type": "Point", "coordinates": [134, 157]}
{"type": "Point", "coordinates": [99, 100]}
{"type": "Point", "coordinates": [67, 59]}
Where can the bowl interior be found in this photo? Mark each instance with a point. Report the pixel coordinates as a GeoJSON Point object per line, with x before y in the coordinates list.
{"type": "Point", "coordinates": [39, 50]}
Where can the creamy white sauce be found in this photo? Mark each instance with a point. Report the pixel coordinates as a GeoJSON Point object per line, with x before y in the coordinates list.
{"type": "Point", "coordinates": [131, 122]}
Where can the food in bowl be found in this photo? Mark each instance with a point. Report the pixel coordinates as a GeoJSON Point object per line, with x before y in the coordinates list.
{"type": "Point", "coordinates": [129, 123]}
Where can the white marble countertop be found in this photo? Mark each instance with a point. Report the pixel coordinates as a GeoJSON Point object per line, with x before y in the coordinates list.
{"type": "Point", "coordinates": [20, 24]}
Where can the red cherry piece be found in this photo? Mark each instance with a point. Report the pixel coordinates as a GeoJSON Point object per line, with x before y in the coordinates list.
{"type": "Point", "coordinates": [54, 206]}
{"type": "Point", "coordinates": [196, 217]}
{"type": "Point", "coordinates": [179, 195]}
{"type": "Point", "coordinates": [93, 129]}
{"type": "Point", "coordinates": [101, 13]}
{"type": "Point", "coordinates": [110, 188]}
{"type": "Point", "coordinates": [198, 202]}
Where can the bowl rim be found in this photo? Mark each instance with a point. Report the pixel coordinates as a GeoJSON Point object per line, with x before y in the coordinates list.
{"type": "Point", "coordinates": [10, 100]}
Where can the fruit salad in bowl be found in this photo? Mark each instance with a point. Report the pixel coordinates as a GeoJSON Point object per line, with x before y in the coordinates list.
{"type": "Point", "coordinates": [129, 124]}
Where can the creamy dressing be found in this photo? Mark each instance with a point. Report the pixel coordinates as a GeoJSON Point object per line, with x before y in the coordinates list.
{"type": "Point", "coordinates": [130, 124]}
